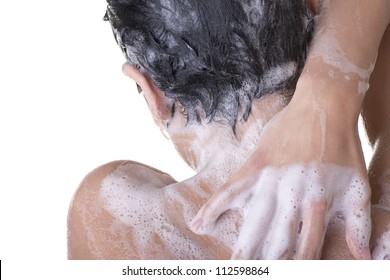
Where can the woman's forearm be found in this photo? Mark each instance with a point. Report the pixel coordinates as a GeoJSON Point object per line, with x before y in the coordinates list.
{"type": "Point", "coordinates": [342, 56]}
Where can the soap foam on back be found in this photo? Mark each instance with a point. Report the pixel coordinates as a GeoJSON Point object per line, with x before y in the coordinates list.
{"type": "Point", "coordinates": [139, 202]}
{"type": "Point", "coordinates": [136, 201]}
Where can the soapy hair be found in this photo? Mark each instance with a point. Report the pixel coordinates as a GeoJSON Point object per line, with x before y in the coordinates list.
{"type": "Point", "coordinates": [214, 56]}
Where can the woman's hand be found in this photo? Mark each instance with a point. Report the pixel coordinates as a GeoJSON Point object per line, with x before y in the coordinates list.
{"type": "Point", "coordinates": [307, 167]}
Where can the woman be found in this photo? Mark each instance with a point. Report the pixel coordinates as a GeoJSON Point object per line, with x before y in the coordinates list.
{"type": "Point", "coordinates": [207, 72]}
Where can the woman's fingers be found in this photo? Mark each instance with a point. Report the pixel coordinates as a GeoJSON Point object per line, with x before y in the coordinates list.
{"type": "Point", "coordinates": [284, 230]}
{"type": "Point", "coordinates": [282, 235]}
{"type": "Point", "coordinates": [313, 229]}
{"type": "Point", "coordinates": [255, 228]}
{"type": "Point", "coordinates": [358, 231]}
{"type": "Point", "coordinates": [231, 195]}
{"type": "Point", "coordinates": [382, 247]}
{"type": "Point", "coordinates": [357, 215]}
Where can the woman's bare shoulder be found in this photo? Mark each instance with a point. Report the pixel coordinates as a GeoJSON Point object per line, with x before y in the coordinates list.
{"type": "Point", "coordinates": [126, 170]}
{"type": "Point", "coordinates": [101, 207]}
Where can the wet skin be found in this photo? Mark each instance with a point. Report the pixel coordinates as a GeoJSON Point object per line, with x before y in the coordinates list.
{"type": "Point", "coordinates": [97, 232]}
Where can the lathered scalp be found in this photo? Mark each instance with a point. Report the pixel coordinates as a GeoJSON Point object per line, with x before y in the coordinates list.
{"type": "Point", "coordinates": [214, 56]}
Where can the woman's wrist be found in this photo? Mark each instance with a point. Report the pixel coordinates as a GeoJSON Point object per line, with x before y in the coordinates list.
{"type": "Point", "coordinates": [326, 93]}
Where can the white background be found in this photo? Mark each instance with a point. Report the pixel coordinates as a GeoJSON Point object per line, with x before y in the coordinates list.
{"type": "Point", "coordinates": [65, 108]}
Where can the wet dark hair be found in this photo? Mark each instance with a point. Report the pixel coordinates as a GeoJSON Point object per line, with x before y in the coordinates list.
{"type": "Point", "coordinates": [215, 55]}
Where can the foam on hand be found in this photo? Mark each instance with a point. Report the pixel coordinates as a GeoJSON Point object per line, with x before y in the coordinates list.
{"type": "Point", "coordinates": [382, 248]}
{"type": "Point", "coordinates": [278, 203]}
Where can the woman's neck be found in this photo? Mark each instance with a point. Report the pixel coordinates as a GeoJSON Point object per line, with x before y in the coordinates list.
{"type": "Point", "coordinates": [214, 151]}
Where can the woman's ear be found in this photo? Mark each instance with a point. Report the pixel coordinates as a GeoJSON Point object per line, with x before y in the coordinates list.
{"type": "Point", "coordinates": [314, 5]}
{"type": "Point", "coordinates": [156, 99]}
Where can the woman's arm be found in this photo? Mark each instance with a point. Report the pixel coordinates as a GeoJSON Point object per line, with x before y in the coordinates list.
{"type": "Point", "coordinates": [343, 55]}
